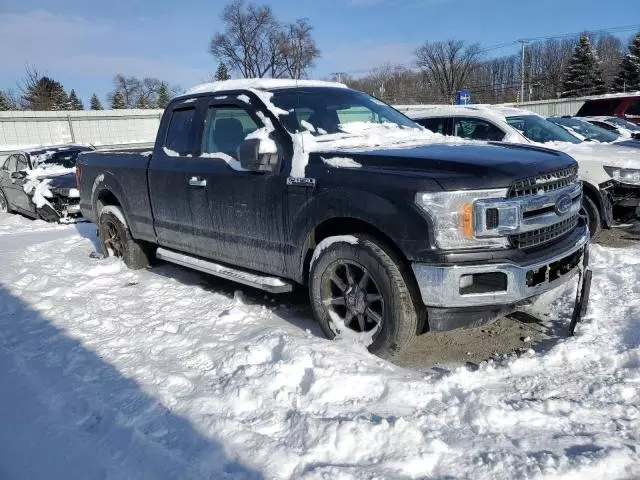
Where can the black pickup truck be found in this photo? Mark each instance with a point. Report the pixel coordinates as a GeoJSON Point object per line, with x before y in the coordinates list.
{"type": "Point", "coordinates": [394, 230]}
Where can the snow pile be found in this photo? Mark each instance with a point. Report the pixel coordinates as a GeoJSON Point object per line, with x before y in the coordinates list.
{"type": "Point", "coordinates": [156, 374]}
{"type": "Point", "coordinates": [17, 224]}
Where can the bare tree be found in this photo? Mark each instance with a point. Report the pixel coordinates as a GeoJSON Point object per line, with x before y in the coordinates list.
{"type": "Point", "coordinates": [132, 92]}
{"type": "Point", "coordinates": [610, 52]}
{"type": "Point", "coordinates": [299, 48]}
{"type": "Point", "coordinates": [446, 65]}
{"type": "Point", "coordinates": [255, 44]}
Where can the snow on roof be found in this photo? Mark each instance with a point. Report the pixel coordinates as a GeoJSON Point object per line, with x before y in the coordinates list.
{"type": "Point", "coordinates": [259, 84]}
{"type": "Point", "coordinates": [483, 110]}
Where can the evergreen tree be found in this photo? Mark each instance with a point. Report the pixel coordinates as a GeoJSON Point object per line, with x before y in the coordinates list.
{"type": "Point", "coordinates": [164, 97]}
{"type": "Point", "coordinates": [4, 102]}
{"type": "Point", "coordinates": [583, 75]}
{"type": "Point", "coordinates": [74, 102]}
{"type": "Point", "coordinates": [117, 101]}
{"type": "Point", "coordinates": [46, 94]}
{"type": "Point", "coordinates": [628, 79]}
{"type": "Point", "coordinates": [95, 103]}
{"type": "Point", "coordinates": [143, 102]}
{"type": "Point", "coordinates": [222, 73]}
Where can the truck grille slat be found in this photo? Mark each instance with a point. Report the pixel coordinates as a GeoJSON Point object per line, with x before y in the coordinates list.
{"type": "Point", "coordinates": [544, 235]}
{"type": "Point", "coordinates": [544, 183]}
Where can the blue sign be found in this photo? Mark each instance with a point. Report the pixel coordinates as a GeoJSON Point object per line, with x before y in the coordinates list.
{"type": "Point", "coordinates": [463, 97]}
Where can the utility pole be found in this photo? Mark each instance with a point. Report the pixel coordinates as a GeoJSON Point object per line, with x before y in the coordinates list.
{"type": "Point", "coordinates": [522, 44]}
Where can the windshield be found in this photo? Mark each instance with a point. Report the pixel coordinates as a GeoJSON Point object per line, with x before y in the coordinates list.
{"type": "Point", "coordinates": [539, 130]}
{"type": "Point", "coordinates": [66, 159]}
{"type": "Point", "coordinates": [586, 129]}
{"type": "Point", "coordinates": [624, 123]}
{"type": "Point", "coordinates": [323, 111]}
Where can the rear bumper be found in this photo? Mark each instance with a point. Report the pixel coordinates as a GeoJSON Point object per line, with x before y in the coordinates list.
{"type": "Point", "coordinates": [496, 285]}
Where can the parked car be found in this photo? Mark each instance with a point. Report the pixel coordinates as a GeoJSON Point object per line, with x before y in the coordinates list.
{"type": "Point", "coordinates": [618, 125]}
{"type": "Point", "coordinates": [272, 183]}
{"type": "Point", "coordinates": [589, 132]}
{"type": "Point", "coordinates": [620, 105]}
{"type": "Point", "coordinates": [41, 183]}
{"type": "Point", "coordinates": [610, 173]}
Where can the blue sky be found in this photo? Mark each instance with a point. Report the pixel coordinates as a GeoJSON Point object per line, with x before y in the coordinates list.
{"type": "Point", "coordinates": [84, 43]}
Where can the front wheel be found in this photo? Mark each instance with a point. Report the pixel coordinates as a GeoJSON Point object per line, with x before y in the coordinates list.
{"type": "Point", "coordinates": [359, 290]}
{"type": "Point", "coordinates": [592, 214]}
{"type": "Point", "coordinates": [117, 241]}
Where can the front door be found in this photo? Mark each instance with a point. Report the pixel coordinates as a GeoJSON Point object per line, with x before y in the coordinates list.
{"type": "Point", "coordinates": [14, 187]}
{"type": "Point", "coordinates": [246, 208]}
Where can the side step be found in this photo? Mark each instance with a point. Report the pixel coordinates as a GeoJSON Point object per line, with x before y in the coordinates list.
{"type": "Point", "coordinates": [256, 280]}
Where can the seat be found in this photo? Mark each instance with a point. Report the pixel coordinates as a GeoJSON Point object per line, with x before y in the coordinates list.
{"type": "Point", "coordinates": [228, 134]}
{"type": "Point", "coordinates": [326, 120]}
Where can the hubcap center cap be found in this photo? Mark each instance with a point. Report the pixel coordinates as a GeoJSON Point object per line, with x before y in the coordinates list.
{"type": "Point", "coordinates": [355, 299]}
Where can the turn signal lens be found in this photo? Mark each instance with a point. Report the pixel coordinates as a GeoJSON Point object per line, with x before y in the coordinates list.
{"type": "Point", "coordinates": [466, 220]}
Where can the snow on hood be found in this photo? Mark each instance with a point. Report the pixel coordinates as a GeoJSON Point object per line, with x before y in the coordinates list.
{"type": "Point", "coordinates": [364, 135]}
{"type": "Point", "coordinates": [602, 153]}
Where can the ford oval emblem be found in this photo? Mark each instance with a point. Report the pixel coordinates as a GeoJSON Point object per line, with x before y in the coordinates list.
{"type": "Point", "coordinates": [563, 204]}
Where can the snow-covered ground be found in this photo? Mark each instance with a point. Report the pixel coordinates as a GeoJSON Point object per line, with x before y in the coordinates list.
{"type": "Point", "coordinates": [110, 373]}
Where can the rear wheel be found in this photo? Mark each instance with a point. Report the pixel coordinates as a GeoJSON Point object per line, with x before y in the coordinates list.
{"type": "Point", "coordinates": [4, 204]}
{"type": "Point", "coordinates": [360, 291]}
{"type": "Point", "coordinates": [592, 214]}
{"type": "Point", "coordinates": [117, 241]}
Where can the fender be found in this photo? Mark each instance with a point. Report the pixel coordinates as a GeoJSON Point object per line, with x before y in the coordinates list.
{"type": "Point", "coordinates": [107, 183]}
{"type": "Point", "coordinates": [404, 225]}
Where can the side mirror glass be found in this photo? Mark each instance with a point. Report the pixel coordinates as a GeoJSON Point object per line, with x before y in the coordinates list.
{"type": "Point", "coordinates": [258, 154]}
{"type": "Point", "coordinates": [18, 175]}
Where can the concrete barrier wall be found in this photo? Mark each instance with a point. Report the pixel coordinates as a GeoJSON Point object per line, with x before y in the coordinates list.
{"type": "Point", "coordinates": [102, 128]}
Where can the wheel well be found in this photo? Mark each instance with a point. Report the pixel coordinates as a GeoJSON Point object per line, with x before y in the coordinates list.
{"type": "Point", "coordinates": [590, 191]}
{"type": "Point", "coordinates": [105, 197]}
{"type": "Point", "coordinates": [345, 226]}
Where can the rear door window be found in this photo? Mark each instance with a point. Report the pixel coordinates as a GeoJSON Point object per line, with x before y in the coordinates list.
{"type": "Point", "coordinates": [476, 129]}
{"type": "Point", "coordinates": [179, 134]}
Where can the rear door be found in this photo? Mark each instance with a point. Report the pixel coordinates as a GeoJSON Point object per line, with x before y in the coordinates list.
{"type": "Point", "coordinates": [170, 171]}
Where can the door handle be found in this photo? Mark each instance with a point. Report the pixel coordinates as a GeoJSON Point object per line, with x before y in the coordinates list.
{"type": "Point", "coordinates": [198, 182]}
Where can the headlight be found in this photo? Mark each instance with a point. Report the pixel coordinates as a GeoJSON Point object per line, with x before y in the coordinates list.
{"type": "Point", "coordinates": [460, 218]}
{"type": "Point", "coordinates": [624, 175]}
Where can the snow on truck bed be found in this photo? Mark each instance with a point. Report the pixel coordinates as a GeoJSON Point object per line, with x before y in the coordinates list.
{"type": "Point", "coordinates": [165, 373]}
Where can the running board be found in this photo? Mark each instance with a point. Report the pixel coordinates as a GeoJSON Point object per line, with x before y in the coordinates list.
{"type": "Point", "coordinates": [263, 282]}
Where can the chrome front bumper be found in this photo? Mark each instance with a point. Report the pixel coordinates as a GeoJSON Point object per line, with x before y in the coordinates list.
{"type": "Point", "coordinates": [440, 285]}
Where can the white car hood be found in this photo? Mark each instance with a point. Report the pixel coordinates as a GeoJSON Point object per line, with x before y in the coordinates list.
{"type": "Point", "coordinates": [604, 154]}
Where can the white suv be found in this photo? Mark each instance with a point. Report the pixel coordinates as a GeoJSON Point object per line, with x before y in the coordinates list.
{"type": "Point", "coordinates": [610, 173]}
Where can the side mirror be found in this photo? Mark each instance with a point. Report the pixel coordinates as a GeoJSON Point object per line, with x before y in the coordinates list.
{"type": "Point", "coordinates": [258, 154]}
{"type": "Point", "coordinates": [18, 175]}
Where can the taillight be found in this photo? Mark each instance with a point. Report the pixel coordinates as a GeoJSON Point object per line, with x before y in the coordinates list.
{"type": "Point", "coordinates": [78, 175]}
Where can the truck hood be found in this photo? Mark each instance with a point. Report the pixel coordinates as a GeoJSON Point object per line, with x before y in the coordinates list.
{"type": "Point", "coordinates": [462, 166]}
{"type": "Point", "coordinates": [615, 155]}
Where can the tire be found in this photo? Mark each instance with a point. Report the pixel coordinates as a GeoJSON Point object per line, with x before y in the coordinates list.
{"type": "Point", "coordinates": [116, 240]}
{"type": "Point", "coordinates": [4, 203]}
{"type": "Point", "coordinates": [592, 214]}
{"type": "Point", "coordinates": [390, 322]}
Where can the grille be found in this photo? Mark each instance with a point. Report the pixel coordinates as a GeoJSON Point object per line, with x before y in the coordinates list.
{"type": "Point", "coordinates": [544, 235]}
{"type": "Point", "coordinates": [544, 183]}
